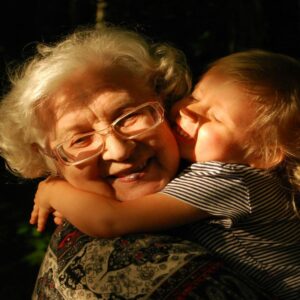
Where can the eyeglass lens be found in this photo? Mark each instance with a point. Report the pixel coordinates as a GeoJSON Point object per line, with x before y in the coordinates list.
{"type": "Point", "coordinates": [84, 146]}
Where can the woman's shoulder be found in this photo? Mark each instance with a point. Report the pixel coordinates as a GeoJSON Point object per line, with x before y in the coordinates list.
{"type": "Point", "coordinates": [154, 266]}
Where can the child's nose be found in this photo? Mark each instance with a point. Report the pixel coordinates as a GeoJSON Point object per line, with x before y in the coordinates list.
{"type": "Point", "coordinates": [180, 108]}
{"type": "Point", "coordinates": [197, 108]}
{"type": "Point", "coordinates": [186, 112]}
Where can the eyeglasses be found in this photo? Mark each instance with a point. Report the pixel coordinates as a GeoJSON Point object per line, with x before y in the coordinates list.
{"type": "Point", "coordinates": [83, 147]}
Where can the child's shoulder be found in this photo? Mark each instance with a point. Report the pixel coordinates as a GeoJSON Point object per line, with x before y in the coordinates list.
{"type": "Point", "coordinates": [220, 166]}
{"type": "Point", "coordinates": [217, 168]}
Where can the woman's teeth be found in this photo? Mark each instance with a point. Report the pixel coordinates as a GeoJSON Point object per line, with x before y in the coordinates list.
{"type": "Point", "coordinates": [133, 176]}
{"type": "Point", "coordinates": [136, 173]}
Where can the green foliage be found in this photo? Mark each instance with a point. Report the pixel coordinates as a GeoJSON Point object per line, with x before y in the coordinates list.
{"type": "Point", "coordinates": [36, 242]}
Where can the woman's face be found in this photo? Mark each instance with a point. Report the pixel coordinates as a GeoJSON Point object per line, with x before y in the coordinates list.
{"type": "Point", "coordinates": [131, 167]}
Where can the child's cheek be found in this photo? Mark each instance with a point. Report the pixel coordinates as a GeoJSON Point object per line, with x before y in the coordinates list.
{"type": "Point", "coordinates": [210, 145]}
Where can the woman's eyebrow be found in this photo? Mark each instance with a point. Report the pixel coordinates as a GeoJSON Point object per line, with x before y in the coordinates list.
{"type": "Point", "coordinates": [120, 109]}
{"type": "Point", "coordinates": [77, 127]}
{"type": "Point", "coordinates": [67, 132]}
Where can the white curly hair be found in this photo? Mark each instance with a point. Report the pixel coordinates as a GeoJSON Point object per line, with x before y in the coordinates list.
{"type": "Point", "coordinates": [162, 67]}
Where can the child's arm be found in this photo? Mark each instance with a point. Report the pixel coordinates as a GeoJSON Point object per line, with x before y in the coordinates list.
{"type": "Point", "coordinates": [106, 217]}
{"type": "Point", "coordinates": [42, 208]}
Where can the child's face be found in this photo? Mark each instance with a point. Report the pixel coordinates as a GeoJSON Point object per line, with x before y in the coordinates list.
{"type": "Point", "coordinates": [213, 122]}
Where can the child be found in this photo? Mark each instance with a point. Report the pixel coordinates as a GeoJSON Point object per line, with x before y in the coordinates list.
{"type": "Point", "coordinates": [241, 127]}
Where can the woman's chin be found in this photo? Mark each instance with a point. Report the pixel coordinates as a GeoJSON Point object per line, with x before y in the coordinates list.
{"type": "Point", "coordinates": [150, 180]}
{"type": "Point", "coordinates": [138, 190]}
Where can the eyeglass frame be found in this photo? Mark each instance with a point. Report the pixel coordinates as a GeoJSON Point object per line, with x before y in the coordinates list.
{"type": "Point", "coordinates": [57, 156]}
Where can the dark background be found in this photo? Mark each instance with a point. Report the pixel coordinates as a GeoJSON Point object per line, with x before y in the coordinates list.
{"type": "Point", "coordinates": [203, 29]}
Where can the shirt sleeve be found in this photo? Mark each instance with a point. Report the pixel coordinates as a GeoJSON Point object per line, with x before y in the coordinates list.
{"type": "Point", "coordinates": [214, 187]}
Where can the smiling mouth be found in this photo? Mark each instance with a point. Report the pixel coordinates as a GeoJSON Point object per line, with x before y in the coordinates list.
{"type": "Point", "coordinates": [182, 134]}
{"type": "Point", "coordinates": [132, 174]}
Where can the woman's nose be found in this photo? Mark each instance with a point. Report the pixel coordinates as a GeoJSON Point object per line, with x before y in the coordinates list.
{"type": "Point", "coordinates": [117, 149]}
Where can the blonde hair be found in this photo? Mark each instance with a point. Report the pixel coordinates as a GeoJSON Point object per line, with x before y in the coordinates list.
{"type": "Point", "coordinates": [162, 67]}
{"type": "Point", "coordinates": [272, 81]}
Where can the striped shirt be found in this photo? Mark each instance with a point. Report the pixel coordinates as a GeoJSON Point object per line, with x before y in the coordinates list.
{"type": "Point", "coordinates": [252, 226]}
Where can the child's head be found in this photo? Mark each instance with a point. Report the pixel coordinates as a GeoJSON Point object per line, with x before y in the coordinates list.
{"type": "Point", "coordinates": [246, 109]}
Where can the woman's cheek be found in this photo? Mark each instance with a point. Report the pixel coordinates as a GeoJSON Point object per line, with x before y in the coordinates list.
{"type": "Point", "coordinates": [168, 148]}
{"type": "Point", "coordinates": [77, 175]}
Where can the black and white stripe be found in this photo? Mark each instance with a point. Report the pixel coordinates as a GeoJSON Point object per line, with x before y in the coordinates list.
{"type": "Point", "coordinates": [252, 227]}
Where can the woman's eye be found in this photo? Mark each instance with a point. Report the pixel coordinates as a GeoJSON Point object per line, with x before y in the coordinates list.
{"type": "Point", "coordinates": [130, 120]}
{"type": "Point", "coordinates": [82, 141]}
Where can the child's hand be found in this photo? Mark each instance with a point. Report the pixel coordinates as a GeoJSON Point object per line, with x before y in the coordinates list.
{"type": "Point", "coordinates": [39, 215]}
{"type": "Point", "coordinates": [58, 217]}
{"type": "Point", "coordinates": [78, 206]}
{"type": "Point", "coordinates": [42, 207]}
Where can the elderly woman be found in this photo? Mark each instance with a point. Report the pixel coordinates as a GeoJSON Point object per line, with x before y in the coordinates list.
{"type": "Point", "coordinates": [87, 90]}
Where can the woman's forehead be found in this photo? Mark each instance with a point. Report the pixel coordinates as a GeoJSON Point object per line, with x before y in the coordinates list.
{"type": "Point", "coordinates": [102, 107]}
{"type": "Point", "coordinates": [93, 94]}
{"type": "Point", "coordinates": [103, 102]}
{"type": "Point", "coordinates": [84, 87]}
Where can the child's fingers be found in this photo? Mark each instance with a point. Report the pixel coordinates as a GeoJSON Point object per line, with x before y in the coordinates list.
{"type": "Point", "coordinates": [57, 217]}
{"type": "Point", "coordinates": [34, 215]}
{"type": "Point", "coordinates": [57, 214]}
{"type": "Point", "coordinates": [41, 224]}
{"type": "Point", "coordinates": [58, 220]}
{"type": "Point", "coordinates": [42, 219]}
